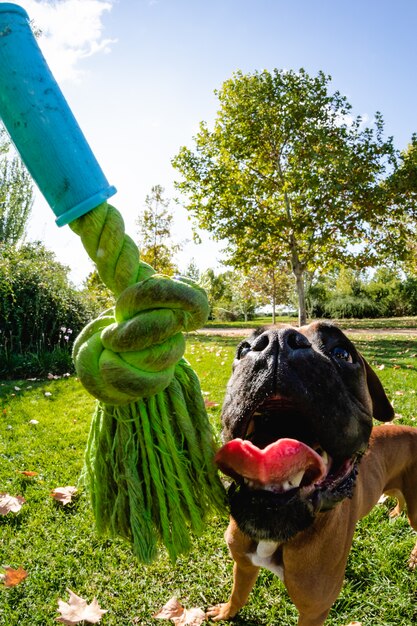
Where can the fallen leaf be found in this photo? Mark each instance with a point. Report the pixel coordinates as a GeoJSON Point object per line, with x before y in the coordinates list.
{"type": "Point", "coordinates": [399, 393]}
{"type": "Point", "coordinates": [171, 609]}
{"type": "Point", "coordinates": [380, 367]}
{"type": "Point", "coordinates": [77, 610]}
{"type": "Point", "coordinates": [180, 616]}
{"type": "Point", "coordinates": [10, 504]}
{"type": "Point", "coordinates": [13, 577]}
{"type": "Point", "coordinates": [355, 624]}
{"type": "Point", "coordinates": [190, 617]}
{"type": "Point", "coordinates": [209, 404]}
{"type": "Point", "coordinates": [28, 473]}
{"type": "Point", "coordinates": [64, 495]}
{"type": "Point", "coordinates": [34, 422]}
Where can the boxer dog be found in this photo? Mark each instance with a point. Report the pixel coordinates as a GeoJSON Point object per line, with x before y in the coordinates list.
{"type": "Point", "coordinates": [305, 463]}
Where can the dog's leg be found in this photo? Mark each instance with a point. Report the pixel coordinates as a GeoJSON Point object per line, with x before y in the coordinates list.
{"type": "Point", "coordinates": [244, 575]}
{"type": "Point", "coordinates": [409, 497]}
{"type": "Point", "coordinates": [314, 564]}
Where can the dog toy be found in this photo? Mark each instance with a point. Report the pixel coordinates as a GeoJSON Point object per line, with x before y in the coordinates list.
{"type": "Point", "coordinates": [149, 458]}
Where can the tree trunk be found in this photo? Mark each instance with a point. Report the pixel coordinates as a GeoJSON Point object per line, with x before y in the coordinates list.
{"type": "Point", "coordinates": [299, 281]}
{"type": "Point", "coordinates": [298, 271]}
{"type": "Point", "coordinates": [274, 297]}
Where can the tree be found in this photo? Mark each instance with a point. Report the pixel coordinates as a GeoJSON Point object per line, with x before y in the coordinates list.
{"type": "Point", "coordinates": [155, 224]}
{"type": "Point", "coordinates": [98, 292]}
{"type": "Point", "coordinates": [192, 271]}
{"type": "Point", "coordinates": [272, 284]}
{"type": "Point", "coordinates": [287, 174]}
{"type": "Point", "coordinates": [16, 195]}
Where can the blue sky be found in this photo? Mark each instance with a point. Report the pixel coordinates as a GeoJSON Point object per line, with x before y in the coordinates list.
{"type": "Point", "coordinates": [140, 75]}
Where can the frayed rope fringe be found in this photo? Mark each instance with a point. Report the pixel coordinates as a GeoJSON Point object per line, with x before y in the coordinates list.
{"type": "Point", "coordinates": [149, 468]}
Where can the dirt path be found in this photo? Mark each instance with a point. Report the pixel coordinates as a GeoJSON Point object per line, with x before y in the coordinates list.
{"type": "Point", "coordinates": [244, 332]}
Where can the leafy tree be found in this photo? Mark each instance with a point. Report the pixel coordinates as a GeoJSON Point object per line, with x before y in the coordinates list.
{"type": "Point", "coordinates": [16, 195]}
{"type": "Point", "coordinates": [216, 288]}
{"type": "Point", "coordinates": [400, 242]}
{"type": "Point", "coordinates": [272, 284]}
{"type": "Point", "coordinates": [155, 224]}
{"type": "Point", "coordinates": [192, 271]}
{"type": "Point", "coordinates": [288, 174]}
{"type": "Point", "coordinates": [100, 295]}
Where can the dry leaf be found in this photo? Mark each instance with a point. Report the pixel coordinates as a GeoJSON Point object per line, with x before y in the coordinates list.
{"type": "Point", "coordinates": [179, 615]}
{"type": "Point", "coordinates": [10, 504]}
{"type": "Point", "coordinates": [380, 367]}
{"type": "Point", "coordinates": [77, 610]}
{"type": "Point", "coordinates": [209, 404]}
{"type": "Point", "coordinates": [13, 577]}
{"type": "Point", "coordinates": [34, 422]}
{"type": "Point", "coordinates": [171, 609]}
{"type": "Point", "coordinates": [190, 617]}
{"type": "Point", "coordinates": [28, 473]}
{"type": "Point", "coordinates": [64, 495]}
{"type": "Point", "coordinates": [355, 624]}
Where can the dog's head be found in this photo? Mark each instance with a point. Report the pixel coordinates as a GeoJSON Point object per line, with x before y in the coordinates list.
{"type": "Point", "coordinates": [296, 419]}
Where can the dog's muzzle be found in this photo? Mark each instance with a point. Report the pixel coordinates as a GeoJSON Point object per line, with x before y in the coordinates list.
{"type": "Point", "coordinates": [280, 483]}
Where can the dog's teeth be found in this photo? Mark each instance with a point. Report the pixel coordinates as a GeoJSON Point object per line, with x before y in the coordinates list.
{"type": "Point", "coordinates": [295, 480]}
{"type": "Point", "coordinates": [325, 457]}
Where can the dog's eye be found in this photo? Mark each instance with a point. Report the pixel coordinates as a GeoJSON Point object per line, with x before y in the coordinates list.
{"type": "Point", "coordinates": [243, 349]}
{"type": "Point", "coordinates": [342, 354]}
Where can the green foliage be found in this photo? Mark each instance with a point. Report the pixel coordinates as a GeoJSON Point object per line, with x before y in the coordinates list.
{"type": "Point", "coordinates": [192, 271]}
{"type": "Point", "coordinates": [16, 195]}
{"type": "Point", "coordinates": [155, 224]}
{"type": "Point", "coordinates": [40, 312]}
{"type": "Point", "coordinates": [355, 294]}
{"type": "Point", "coordinates": [235, 295]}
{"type": "Point", "coordinates": [288, 174]}
{"type": "Point", "coordinates": [100, 295]}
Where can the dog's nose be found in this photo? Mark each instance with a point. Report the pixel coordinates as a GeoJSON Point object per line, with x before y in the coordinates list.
{"type": "Point", "coordinates": [292, 339]}
{"type": "Point", "coordinates": [286, 339]}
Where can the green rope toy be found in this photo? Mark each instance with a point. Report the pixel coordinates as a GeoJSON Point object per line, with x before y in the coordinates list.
{"type": "Point", "coordinates": [149, 456]}
{"type": "Point", "coordinates": [149, 459]}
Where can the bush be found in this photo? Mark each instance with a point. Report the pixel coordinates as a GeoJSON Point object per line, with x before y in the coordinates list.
{"type": "Point", "coordinates": [41, 313]}
{"type": "Point", "coordinates": [349, 306]}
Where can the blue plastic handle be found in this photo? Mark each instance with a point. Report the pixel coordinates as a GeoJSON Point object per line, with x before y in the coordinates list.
{"type": "Point", "coordinates": [42, 126]}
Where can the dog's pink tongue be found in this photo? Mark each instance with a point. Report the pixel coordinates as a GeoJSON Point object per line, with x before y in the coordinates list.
{"type": "Point", "coordinates": [276, 464]}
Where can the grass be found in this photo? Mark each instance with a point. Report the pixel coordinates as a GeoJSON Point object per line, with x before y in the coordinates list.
{"type": "Point", "coordinates": [59, 547]}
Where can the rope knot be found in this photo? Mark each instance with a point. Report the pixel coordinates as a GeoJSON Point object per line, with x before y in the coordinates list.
{"type": "Point", "coordinates": [130, 352]}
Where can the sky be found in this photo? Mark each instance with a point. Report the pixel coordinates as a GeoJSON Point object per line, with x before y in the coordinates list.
{"type": "Point", "coordinates": [140, 75]}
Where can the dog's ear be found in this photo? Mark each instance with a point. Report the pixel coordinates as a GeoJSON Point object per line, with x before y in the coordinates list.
{"type": "Point", "coordinates": [382, 407]}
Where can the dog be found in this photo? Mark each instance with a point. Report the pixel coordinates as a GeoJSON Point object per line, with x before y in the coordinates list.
{"type": "Point", "coordinates": [306, 463]}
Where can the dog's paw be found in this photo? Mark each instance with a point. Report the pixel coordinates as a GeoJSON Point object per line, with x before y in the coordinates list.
{"type": "Point", "coordinates": [396, 511]}
{"type": "Point", "coordinates": [220, 611]}
{"type": "Point", "coordinates": [412, 563]}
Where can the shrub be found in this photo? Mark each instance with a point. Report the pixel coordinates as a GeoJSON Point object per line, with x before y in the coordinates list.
{"type": "Point", "coordinates": [41, 313]}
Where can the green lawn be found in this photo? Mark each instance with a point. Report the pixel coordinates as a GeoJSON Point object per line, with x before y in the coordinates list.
{"type": "Point", "coordinates": [59, 547]}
